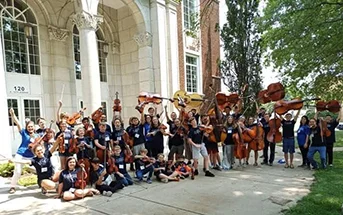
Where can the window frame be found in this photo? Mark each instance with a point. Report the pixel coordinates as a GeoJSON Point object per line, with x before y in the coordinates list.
{"type": "Point", "coordinates": [189, 12]}
{"type": "Point", "coordinates": [23, 106]}
{"type": "Point", "coordinates": [16, 112]}
{"type": "Point", "coordinates": [198, 72]}
{"type": "Point", "coordinates": [36, 62]}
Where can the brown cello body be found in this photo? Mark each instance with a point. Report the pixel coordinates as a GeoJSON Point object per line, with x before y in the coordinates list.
{"type": "Point", "coordinates": [258, 143]}
{"type": "Point", "coordinates": [96, 115]}
{"type": "Point", "coordinates": [274, 135]}
{"type": "Point", "coordinates": [281, 107]}
{"type": "Point", "coordinates": [332, 106]}
{"type": "Point", "coordinates": [81, 179]}
{"type": "Point", "coordinates": [239, 146]}
{"type": "Point", "coordinates": [274, 92]}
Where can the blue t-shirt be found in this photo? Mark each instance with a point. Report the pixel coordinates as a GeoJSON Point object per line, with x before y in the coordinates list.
{"type": "Point", "coordinates": [303, 131]}
{"type": "Point", "coordinates": [23, 149]}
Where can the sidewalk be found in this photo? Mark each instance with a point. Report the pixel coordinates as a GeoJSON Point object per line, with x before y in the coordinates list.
{"type": "Point", "coordinates": [261, 190]}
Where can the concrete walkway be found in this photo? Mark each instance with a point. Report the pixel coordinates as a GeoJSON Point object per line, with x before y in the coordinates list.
{"type": "Point", "coordinates": [260, 190]}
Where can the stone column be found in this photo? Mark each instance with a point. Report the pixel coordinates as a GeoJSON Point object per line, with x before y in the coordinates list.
{"type": "Point", "coordinates": [87, 22]}
{"type": "Point", "coordinates": [5, 137]}
{"type": "Point", "coordinates": [147, 79]}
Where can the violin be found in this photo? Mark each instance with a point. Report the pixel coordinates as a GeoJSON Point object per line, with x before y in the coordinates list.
{"type": "Point", "coordinates": [148, 159]}
{"type": "Point", "coordinates": [127, 139]}
{"type": "Point", "coordinates": [36, 141]}
{"type": "Point", "coordinates": [89, 132]}
{"type": "Point", "coordinates": [151, 98]}
{"type": "Point", "coordinates": [81, 179]}
{"type": "Point", "coordinates": [48, 131]}
{"type": "Point", "coordinates": [73, 149]}
{"type": "Point", "coordinates": [96, 115]}
{"type": "Point", "coordinates": [72, 119]}
{"type": "Point", "coordinates": [207, 129]}
{"type": "Point", "coordinates": [324, 131]}
{"type": "Point", "coordinates": [274, 135]}
{"type": "Point", "coordinates": [111, 165]}
{"type": "Point", "coordinates": [281, 107]}
{"type": "Point", "coordinates": [331, 106]}
{"type": "Point", "coordinates": [274, 92]}
{"type": "Point", "coordinates": [116, 106]}
{"type": "Point", "coordinates": [61, 146]}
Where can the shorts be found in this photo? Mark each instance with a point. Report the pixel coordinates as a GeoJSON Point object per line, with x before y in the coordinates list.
{"type": "Point", "coordinates": [178, 150]}
{"type": "Point", "coordinates": [197, 151]}
{"type": "Point", "coordinates": [212, 147]}
{"type": "Point", "coordinates": [288, 145]}
{"type": "Point", "coordinates": [137, 148]}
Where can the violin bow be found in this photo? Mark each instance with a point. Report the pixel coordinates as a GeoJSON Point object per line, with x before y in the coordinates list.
{"type": "Point", "coordinates": [62, 92]}
{"type": "Point", "coordinates": [12, 118]}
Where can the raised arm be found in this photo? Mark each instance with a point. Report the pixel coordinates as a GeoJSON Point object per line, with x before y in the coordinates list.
{"type": "Point", "coordinates": [316, 115]}
{"type": "Point", "coordinates": [166, 113]}
{"type": "Point", "coordinates": [15, 119]}
{"type": "Point", "coordinates": [297, 115]}
{"type": "Point", "coordinates": [55, 145]}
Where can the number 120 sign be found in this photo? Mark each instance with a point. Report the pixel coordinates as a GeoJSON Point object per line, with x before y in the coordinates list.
{"type": "Point", "coordinates": [19, 89]}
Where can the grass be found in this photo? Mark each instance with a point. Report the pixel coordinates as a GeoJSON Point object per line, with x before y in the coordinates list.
{"type": "Point", "coordinates": [28, 180]}
{"type": "Point", "coordinates": [339, 138]}
{"type": "Point", "coordinates": [326, 196]}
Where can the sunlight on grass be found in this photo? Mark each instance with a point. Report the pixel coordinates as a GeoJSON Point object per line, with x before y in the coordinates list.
{"type": "Point", "coordinates": [326, 196]}
{"type": "Point", "coordinates": [28, 180]}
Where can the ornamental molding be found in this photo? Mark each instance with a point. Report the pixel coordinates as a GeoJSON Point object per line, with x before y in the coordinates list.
{"type": "Point", "coordinates": [115, 47]}
{"type": "Point", "coordinates": [57, 33]}
{"type": "Point", "coordinates": [143, 39]}
{"type": "Point", "coordinates": [84, 20]}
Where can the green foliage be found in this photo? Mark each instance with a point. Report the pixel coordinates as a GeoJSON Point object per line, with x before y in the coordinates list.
{"type": "Point", "coordinates": [241, 64]}
{"type": "Point", "coordinates": [28, 180]}
{"type": "Point", "coordinates": [6, 170]}
{"type": "Point", "coordinates": [326, 192]}
{"type": "Point", "coordinates": [302, 39]}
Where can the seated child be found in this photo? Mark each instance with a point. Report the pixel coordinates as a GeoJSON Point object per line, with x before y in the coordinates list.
{"type": "Point", "coordinates": [122, 175]}
{"type": "Point", "coordinates": [144, 165]}
{"type": "Point", "coordinates": [161, 171]}
{"type": "Point", "coordinates": [182, 168]}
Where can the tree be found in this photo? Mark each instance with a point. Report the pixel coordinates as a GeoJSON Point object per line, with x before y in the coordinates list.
{"type": "Point", "coordinates": [242, 51]}
{"type": "Point", "coordinates": [302, 39]}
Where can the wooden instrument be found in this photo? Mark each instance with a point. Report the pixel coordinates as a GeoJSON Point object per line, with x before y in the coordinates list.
{"type": "Point", "coordinates": [96, 115]}
{"type": "Point", "coordinates": [181, 99]}
{"type": "Point", "coordinates": [206, 129]}
{"type": "Point", "coordinates": [116, 106]}
{"type": "Point", "coordinates": [281, 107]}
{"type": "Point", "coordinates": [81, 179]}
{"type": "Point", "coordinates": [36, 141]}
{"type": "Point", "coordinates": [89, 132]}
{"type": "Point", "coordinates": [72, 119]}
{"type": "Point", "coordinates": [61, 146]}
{"type": "Point", "coordinates": [274, 135]}
{"type": "Point", "coordinates": [274, 92]}
{"type": "Point", "coordinates": [239, 144]}
{"type": "Point", "coordinates": [48, 130]}
{"type": "Point", "coordinates": [111, 168]}
{"type": "Point", "coordinates": [324, 131]}
{"type": "Point", "coordinates": [73, 149]}
{"type": "Point", "coordinates": [127, 139]}
{"type": "Point", "coordinates": [331, 106]}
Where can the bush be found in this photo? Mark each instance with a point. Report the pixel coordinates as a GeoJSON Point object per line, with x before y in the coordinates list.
{"type": "Point", "coordinates": [6, 169]}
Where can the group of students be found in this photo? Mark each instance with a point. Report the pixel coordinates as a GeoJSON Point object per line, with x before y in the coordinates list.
{"type": "Point", "coordinates": [104, 153]}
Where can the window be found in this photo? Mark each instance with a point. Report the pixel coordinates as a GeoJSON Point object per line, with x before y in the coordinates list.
{"type": "Point", "coordinates": [101, 55]}
{"type": "Point", "coordinates": [104, 108]}
{"type": "Point", "coordinates": [191, 74]}
{"type": "Point", "coordinates": [188, 13]}
{"type": "Point", "coordinates": [12, 103]}
{"type": "Point", "coordinates": [32, 109]}
{"type": "Point", "coordinates": [21, 52]}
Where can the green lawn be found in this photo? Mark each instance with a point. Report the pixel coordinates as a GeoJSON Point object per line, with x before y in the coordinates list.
{"type": "Point", "coordinates": [326, 197]}
{"type": "Point", "coordinates": [339, 138]}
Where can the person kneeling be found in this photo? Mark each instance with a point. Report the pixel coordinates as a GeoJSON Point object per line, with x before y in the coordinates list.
{"type": "Point", "coordinates": [122, 176]}
{"type": "Point", "coordinates": [99, 177]}
{"type": "Point", "coordinates": [67, 188]}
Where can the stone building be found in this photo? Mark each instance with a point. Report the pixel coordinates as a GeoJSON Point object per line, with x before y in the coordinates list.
{"type": "Point", "coordinates": [84, 51]}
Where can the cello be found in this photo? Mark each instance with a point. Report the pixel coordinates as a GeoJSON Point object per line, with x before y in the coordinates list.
{"type": "Point", "coordinates": [274, 135]}
{"type": "Point", "coordinates": [81, 178]}
{"type": "Point", "coordinates": [331, 106]}
{"type": "Point", "coordinates": [281, 107]}
{"type": "Point", "coordinates": [274, 92]}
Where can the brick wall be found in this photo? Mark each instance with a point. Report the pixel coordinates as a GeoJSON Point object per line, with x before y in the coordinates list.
{"type": "Point", "coordinates": [181, 48]}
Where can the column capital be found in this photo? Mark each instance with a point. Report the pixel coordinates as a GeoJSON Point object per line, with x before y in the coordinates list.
{"type": "Point", "coordinates": [84, 20]}
{"type": "Point", "coordinates": [143, 39]}
{"type": "Point", "coordinates": [57, 33]}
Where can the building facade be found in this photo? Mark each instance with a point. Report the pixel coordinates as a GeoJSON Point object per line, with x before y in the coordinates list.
{"type": "Point", "coordinates": [84, 51]}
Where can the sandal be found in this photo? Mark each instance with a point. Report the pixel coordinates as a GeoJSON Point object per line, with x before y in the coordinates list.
{"type": "Point", "coordinates": [255, 164]}
{"type": "Point", "coordinates": [95, 191]}
{"type": "Point", "coordinates": [292, 166]}
{"type": "Point", "coordinates": [12, 190]}
{"type": "Point", "coordinates": [286, 166]}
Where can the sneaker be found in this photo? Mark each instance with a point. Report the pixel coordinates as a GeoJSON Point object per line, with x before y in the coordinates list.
{"type": "Point", "coordinates": [330, 165]}
{"type": "Point", "coordinates": [264, 163]}
{"type": "Point", "coordinates": [196, 172]}
{"type": "Point", "coordinates": [302, 165]}
{"type": "Point", "coordinates": [247, 163]}
{"type": "Point", "coordinates": [209, 174]}
{"type": "Point", "coordinates": [183, 177]}
{"type": "Point", "coordinates": [43, 191]}
{"type": "Point", "coordinates": [107, 193]}
{"type": "Point", "coordinates": [164, 180]}
{"type": "Point", "coordinates": [271, 164]}
{"type": "Point", "coordinates": [261, 156]}
{"type": "Point", "coordinates": [12, 190]}
{"type": "Point", "coordinates": [148, 181]}
{"type": "Point", "coordinates": [217, 168]}
{"type": "Point", "coordinates": [203, 169]}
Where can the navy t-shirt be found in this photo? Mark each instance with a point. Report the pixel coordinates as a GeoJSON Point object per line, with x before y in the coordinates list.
{"type": "Point", "coordinates": [196, 135]}
{"type": "Point", "coordinates": [68, 178]}
{"type": "Point", "coordinates": [43, 166]}
{"type": "Point", "coordinates": [331, 126]}
{"type": "Point", "coordinates": [230, 131]}
{"type": "Point", "coordinates": [178, 138]}
{"type": "Point", "coordinates": [159, 164]}
{"type": "Point", "coordinates": [117, 135]}
{"type": "Point", "coordinates": [137, 134]}
{"type": "Point", "coordinates": [120, 163]}
{"type": "Point", "coordinates": [140, 164]}
{"type": "Point", "coordinates": [94, 175]}
{"type": "Point", "coordinates": [83, 151]}
{"type": "Point", "coordinates": [288, 128]}
{"type": "Point", "coordinates": [103, 138]}
{"type": "Point", "coordinates": [316, 138]}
